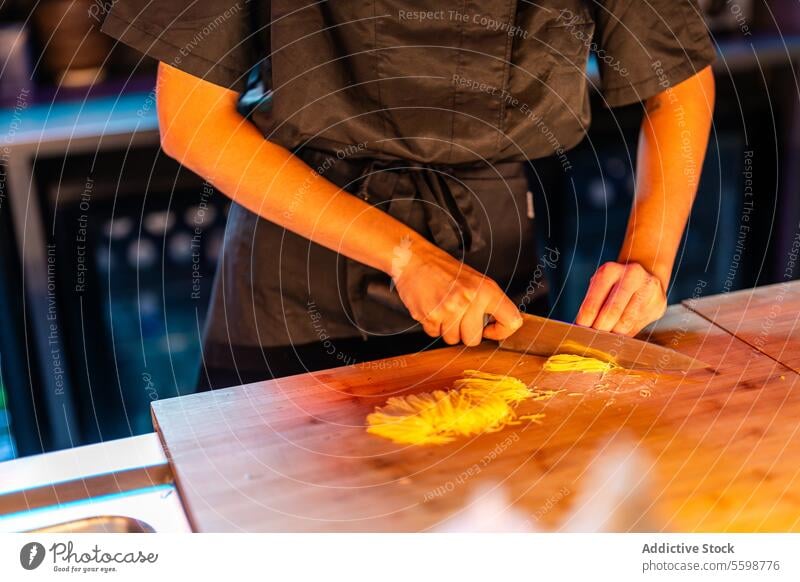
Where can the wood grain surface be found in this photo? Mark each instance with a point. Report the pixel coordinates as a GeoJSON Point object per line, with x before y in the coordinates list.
{"type": "Point", "coordinates": [715, 451]}
{"type": "Point", "coordinates": [767, 318]}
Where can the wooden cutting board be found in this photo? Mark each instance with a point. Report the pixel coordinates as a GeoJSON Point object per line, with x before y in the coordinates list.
{"type": "Point", "coordinates": [292, 454]}
{"type": "Point", "coordinates": [767, 318]}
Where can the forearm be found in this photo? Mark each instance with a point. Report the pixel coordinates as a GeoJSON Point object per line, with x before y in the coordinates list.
{"type": "Point", "coordinates": [203, 131]}
{"type": "Point", "coordinates": [672, 146]}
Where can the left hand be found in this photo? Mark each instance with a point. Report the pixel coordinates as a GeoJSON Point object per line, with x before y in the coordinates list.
{"type": "Point", "coordinates": [622, 298]}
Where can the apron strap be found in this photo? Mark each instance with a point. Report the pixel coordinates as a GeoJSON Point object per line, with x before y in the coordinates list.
{"type": "Point", "coordinates": [447, 203]}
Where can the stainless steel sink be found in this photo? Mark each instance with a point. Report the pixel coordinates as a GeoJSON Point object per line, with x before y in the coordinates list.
{"type": "Point", "coordinates": [99, 524]}
{"type": "Point", "coordinates": [150, 509]}
{"type": "Point", "coordinates": [118, 486]}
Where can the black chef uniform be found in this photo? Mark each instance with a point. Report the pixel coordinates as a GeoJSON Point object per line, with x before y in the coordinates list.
{"type": "Point", "coordinates": [430, 111]}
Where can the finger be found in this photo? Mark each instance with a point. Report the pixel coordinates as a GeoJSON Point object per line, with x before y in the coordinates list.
{"type": "Point", "coordinates": [617, 301]}
{"type": "Point", "coordinates": [507, 319]}
{"type": "Point", "coordinates": [645, 307]}
{"type": "Point", "coordinates": [600, 286]}
{"type": "Point", "coordinates": [472, 325]}
{"type": "Point", "coordinates": [432, 328]}
{"type": "Point", "coordinates": [451, 331]}
{"type": "Point", "coordinates": [633, 319]}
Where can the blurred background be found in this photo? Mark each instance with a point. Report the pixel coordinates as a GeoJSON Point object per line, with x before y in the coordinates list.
{"type": "Point", "coordinates": [102, 237]}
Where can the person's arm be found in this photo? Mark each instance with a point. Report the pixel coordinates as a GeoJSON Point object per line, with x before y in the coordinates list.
{"type": "Point", "coordinates": [626, 295]}
{"type": "Point", "coordinates": [202, 130]}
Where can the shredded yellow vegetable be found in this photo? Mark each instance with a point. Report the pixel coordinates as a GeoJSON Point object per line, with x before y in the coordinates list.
{"type": "Point", "coordinates": [539, 395]}
{"type": "Point", "coordinates": [573, 363]}
{"type": "Point", "coordinates": [479, 403]}
{"type": "Point", "coordinates": [535, 418]}
{"type": "Point", "coordinates": [478, 385]}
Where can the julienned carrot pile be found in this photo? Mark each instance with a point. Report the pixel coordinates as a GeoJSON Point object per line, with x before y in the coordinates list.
{"type": "Point", "coordinates": [478, 403]}
{"type": "Point", "coordinates": [573, 363]}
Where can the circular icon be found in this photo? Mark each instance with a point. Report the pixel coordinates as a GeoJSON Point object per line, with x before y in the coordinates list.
{"type": "Point", "coordinates": [31, 555]}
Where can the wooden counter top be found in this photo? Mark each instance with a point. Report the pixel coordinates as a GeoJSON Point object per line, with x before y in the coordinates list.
{"type": "Point", "coordinates": [720, 448]}
{"type": "Point", "coordinates": [767, 318]}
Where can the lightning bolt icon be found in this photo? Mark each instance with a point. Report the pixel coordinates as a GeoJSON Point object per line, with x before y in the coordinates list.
{"type": "Point", "coordinates": [32, 554]}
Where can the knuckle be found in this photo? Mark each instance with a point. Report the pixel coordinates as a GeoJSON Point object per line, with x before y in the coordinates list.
{"type": "Point", "coordinates": [455, 303]}
{"type": "Point", "coordinates": [632, 278]}
{"type": "Point", "coordinates": [436, 316]}
{"type": "Point", "coordinates": [627, 320]}
{"type": "Point", "coordinates": [468, 295]}
{"type": "Point", "coordinates": [448, 305]}
{"type": "Point", "coordinates": [431, 331]}
{"type": "Point", "coordinates": [609, 267]}
{"type": "Point", "coordinates": [608, 272]}
{"type": "Point", "coordinates": [635, 268]}
{"type": "Point", "coordinates": [428, 319]}
{"type": "Point", "coordinates": [641, 296]}
{"type": "Point", "coordinates": [488, 288]}
{"type": "Point", "coordinates": [430, 325]}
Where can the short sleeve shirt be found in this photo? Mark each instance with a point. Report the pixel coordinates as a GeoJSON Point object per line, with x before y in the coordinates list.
{"type": "Point", "coordinates": [215, 40]}
{"type": "Point", "coordinates": [450, 84]}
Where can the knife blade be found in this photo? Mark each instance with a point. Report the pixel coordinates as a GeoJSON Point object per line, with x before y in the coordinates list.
{"type": "Point", "coordinates": [546, 337]}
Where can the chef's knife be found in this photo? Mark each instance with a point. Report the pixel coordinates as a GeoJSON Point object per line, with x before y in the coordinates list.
{"type": "Point", "coordinates": [546, 337]}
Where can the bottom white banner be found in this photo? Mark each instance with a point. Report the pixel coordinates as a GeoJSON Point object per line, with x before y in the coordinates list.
{"type": "Point", "coordinates": [402, 557]}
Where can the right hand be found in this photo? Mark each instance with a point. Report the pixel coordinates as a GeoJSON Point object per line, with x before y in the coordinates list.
{"type": "Point", "coordinates": [450, 299]}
